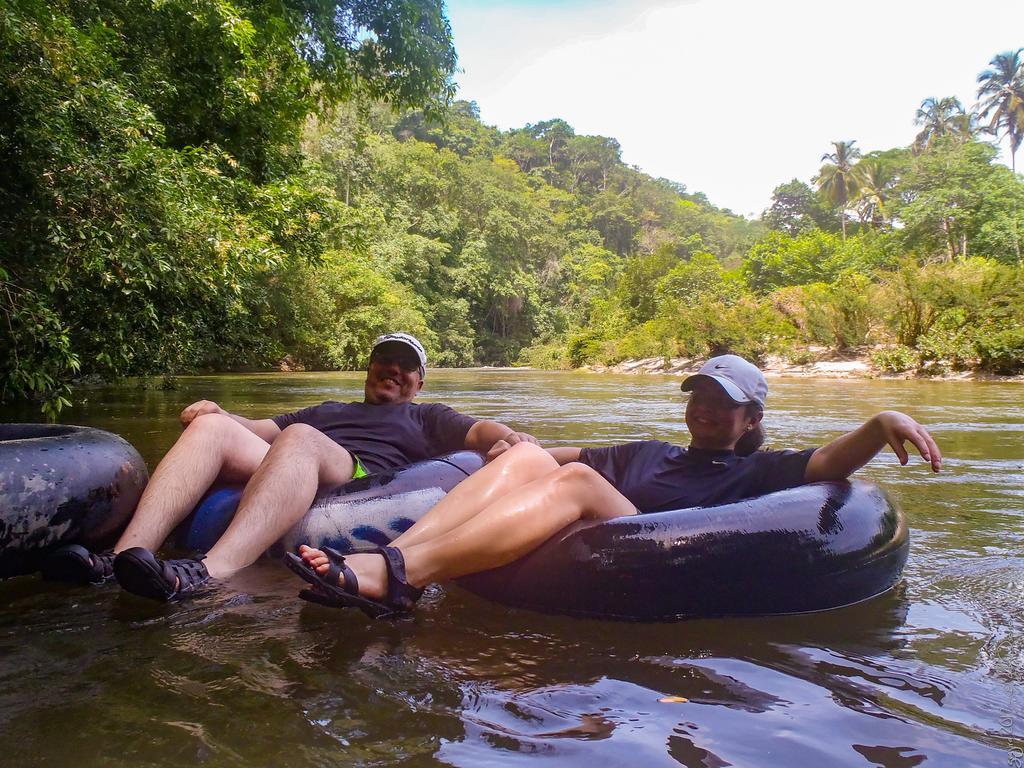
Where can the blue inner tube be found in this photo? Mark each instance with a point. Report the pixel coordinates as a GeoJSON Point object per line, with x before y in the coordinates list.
{"type": "Point", "coordinates": [361, 514]}
{"type": "Point", "coordinates": [805, 549]}
{"type": "Point", "coordinates": [62, 484]}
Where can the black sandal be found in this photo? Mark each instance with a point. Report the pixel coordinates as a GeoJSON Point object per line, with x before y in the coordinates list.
{"type": "Point", "coordinates": [142, 573]}
{"type": "Point", "coordinates": [401, 594]}
{"type": "Point", "coordinates": [77, 565]}
{"type": "Point", "coordinates": [327, 589]}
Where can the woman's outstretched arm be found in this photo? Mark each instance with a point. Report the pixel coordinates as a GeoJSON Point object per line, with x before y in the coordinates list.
{"type": "Point", "coordinates": [848, 453]}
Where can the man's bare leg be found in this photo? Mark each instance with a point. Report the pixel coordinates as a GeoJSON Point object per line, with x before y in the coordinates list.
{"type": "Point", "coordinates": [301, 460]}
{"type": "Point", "coordinates": [213, 447]}
{"type": "Point", "coordinates": [502, 532]}
{"type": "Point", "coordinates": [519, 465]}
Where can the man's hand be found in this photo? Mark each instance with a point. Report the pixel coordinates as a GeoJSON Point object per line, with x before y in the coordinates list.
{"type": "Point", "coordinates": [199, 408]}
{"type": "Point", "coordinates": [494, 438]}
{"type": "Point", "coordinates": [897, 428]}
{"type": "Point", "coordinates": [508, 441]}
{"type": "Point", "coordinates": [519, 437]}
{"type": "Point", "coordinates": [496, 450]}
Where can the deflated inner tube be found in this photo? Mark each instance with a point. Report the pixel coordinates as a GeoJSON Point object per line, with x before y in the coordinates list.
{"type": "Point", "coordinates": [804, 549]}
{"type": "Point", "coordinates": [62, 484]}
{"type": "Point", "coordinates": [360, 514]}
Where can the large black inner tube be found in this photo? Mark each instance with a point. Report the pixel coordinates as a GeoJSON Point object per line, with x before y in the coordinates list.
{"type": "Point", "coordinates": [10, 432]}
{"type": "Point", "coordinates": [62, 484]}
{"type": "Point", "coordinates": [805, 549]}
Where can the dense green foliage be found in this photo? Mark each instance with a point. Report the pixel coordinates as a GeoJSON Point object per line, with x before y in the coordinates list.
{"type": "Point", "coordinates": [611, 264]}
{"type": "Point", "coordinates": [506, 240]}
{"type": "Point", "coordinates": [153, 197]}
{"type": "Point", "coordinates": [210, 184]}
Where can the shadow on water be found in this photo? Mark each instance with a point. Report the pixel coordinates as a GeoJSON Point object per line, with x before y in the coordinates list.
{"type": "Point", "coordinates": [249, 675]}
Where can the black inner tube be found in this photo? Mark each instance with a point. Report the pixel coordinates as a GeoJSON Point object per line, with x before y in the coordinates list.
{"type": "Point", "coordinates": [10, 432]}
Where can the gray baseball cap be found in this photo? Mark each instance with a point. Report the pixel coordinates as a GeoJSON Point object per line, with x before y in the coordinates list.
{"type": "Point", "coordinates": [408, 340]}
{"type": "Point", "coordinates": [742, 381]}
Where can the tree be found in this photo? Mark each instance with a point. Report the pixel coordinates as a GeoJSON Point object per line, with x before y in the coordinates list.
{"type": "Point", "coordinates": [555, 134]}
{"type": "Point", "coordinates": [796, 208]}
{"type": "Point", "coordinates": [636, 291]}
{"type": "Point", "coordinates": [836, 180]}
{"type": "Point", "coordinates": [877, 175]}
{"type": "Point", "coordinates": [942, 117]}
{"type": "Point", "coordinates": [1001, 94]}
{"type": "Point", "coordinates": [702, 277]}
{"type": "Point", "coordinates": [528, 152]}
{"type": "Point", "coordinates": [614, 217]}
{"type": "Point", "coordinates": [954, 196]}
{"type": "Point", "coordinates": [153, 169]}
{"type": "Point", "coordinates": [778, 260]}
{"type": "Point", "coordinates": [243, 74]}
{"type": "Point", "coordinates": [458, 128]}
{"type": "Point", "coordinates": [591, 159]}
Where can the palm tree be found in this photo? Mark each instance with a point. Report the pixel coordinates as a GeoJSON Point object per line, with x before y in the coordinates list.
{"type": "Point", "coordinates": [1001, 94]}
{"type": "Point", "coordinates": [836, 179]}
{"type": "Point", "coordinates": [942, 117]}
{"type": "Point", "coordinates": [875, 180]}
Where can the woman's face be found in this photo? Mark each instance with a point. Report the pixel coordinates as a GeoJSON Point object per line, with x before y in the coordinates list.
{"type": "Point", "coordinates": [714, 420]}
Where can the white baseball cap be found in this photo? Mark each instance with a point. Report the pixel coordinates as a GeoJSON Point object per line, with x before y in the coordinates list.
{"type": "Point", "coordinates": [408, 340]}
{"type": "Point", "coordinates": [742, 381]}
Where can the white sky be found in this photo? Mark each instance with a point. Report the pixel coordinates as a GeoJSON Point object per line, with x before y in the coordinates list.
{"type": "Point", "coordinates": [729, 97]}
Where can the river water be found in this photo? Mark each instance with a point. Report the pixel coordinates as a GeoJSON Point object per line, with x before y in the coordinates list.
{"type": "Point", "coordinates": [248, 675]}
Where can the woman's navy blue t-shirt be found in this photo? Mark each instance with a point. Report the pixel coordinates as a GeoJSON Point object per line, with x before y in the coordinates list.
{"type": "Point", "coordinates": [389, 435]}
{"type": "Point", "coordinates": [657, 476]}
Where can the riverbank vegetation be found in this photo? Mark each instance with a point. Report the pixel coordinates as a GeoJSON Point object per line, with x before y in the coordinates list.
{"type": "Point", "coordinates": [199, 185]}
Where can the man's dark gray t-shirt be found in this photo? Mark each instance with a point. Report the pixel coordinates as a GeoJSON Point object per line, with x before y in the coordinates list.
{"type": "Point", "coordinates": [657, 476]}
{"type": "Point", "coordinates": [386, 436]}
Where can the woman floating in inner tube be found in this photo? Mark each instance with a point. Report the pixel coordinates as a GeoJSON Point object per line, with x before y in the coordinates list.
{"type": "Point", "coordinates": [527, 494]}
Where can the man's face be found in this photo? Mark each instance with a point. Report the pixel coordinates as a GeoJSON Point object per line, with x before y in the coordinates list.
{"type": "Point", "coordinates": [393, 375]}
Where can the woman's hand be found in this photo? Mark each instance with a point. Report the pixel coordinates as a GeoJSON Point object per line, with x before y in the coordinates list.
{"type": "Point", "coordinates": [197, 409]}
{"type": "Point", "coordinates": [897, 428]}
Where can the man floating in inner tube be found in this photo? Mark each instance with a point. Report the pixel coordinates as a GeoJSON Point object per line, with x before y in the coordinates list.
{"type": "Point", "coordinates": [527, 494]}
{"type": "Point", "coordinates": [283, 460]}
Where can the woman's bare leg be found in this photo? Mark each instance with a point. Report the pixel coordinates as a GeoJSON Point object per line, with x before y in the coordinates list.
{"type": "Point", "coordinates": [504, 531]}
{"type": "Point", "coordinates": [519, 465]}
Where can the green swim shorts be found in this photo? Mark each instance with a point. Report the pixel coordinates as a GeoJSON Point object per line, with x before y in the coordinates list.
{"type": "Point", "coordinates": [358, 470]}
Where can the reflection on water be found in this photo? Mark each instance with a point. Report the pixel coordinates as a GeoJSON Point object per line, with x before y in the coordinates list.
{"type": "Point", "coordinates": [248, 675]}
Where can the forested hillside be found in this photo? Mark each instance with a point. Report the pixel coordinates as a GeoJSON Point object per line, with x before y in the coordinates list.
{"type": "Point", "coordinates": [489, 242]}
{"type": "Point", "coordinates": [199, 185]}
{"type": "Point", "coordinates": [541, 246]}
